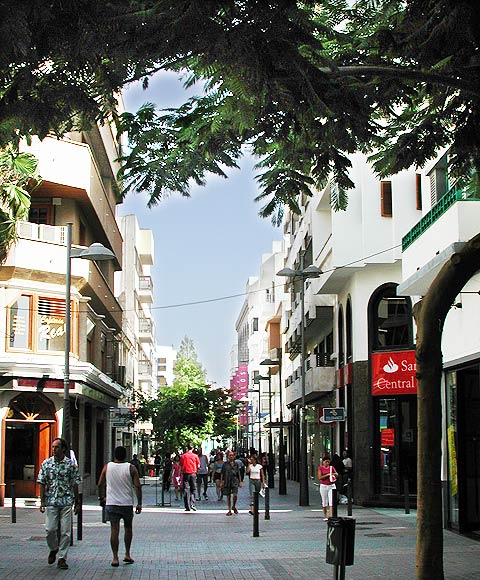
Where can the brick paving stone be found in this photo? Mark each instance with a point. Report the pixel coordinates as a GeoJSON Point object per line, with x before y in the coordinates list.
{"type": "Point", "coordinates": [170, 544]}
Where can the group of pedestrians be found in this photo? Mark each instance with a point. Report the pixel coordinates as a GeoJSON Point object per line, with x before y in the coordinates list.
{"type": "Point", "coordinates": [120, 489]}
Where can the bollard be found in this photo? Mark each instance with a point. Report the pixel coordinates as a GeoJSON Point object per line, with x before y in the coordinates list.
{"type": "Point", "coordinates": [71, 530]}
{"type": "Point", "coordinates": [13, 492]}
{"type": "Point", "coordinates": [267, 503]}
{"type": "Point", "coordinates": [163, 495]}
{"type": "Point", "coordinates": [334, 503]}
{"type": "Point", "coordinates": [104, 515]}
{"type": "Point", "coordinates": [406, 492]}
{"type": "Point", "coordinates": [349, 497]}
{"type": "Point", "coordinates": [80, 517]}
{"type": "Point", "coordinates": [255, 515]}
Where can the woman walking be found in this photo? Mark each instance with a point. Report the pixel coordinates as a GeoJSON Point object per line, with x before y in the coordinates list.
{"type": "Point", "coordinates": [327, 475]}
{"type": "Point", "coordinates": [257, 478]}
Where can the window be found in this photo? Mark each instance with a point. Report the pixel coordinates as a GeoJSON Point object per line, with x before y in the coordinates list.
{"type": "Point", "coordinates": [348, 330]}
{"type": "Point", "coordinates": [19, 324]}
{"type": "Point", "coordinates": [386, 198]}
{"type": "Point", "coordinates": [255, 325]}
{"type": "Point", "coordinates": [37, 323]}
{"type": "Point", "coordinates": [40, 214]}
{"type": "Point", "coordinates": [51, 324]}
{"type": "Point", "coordinates": [341, 352]}
{"type": "Point", "coordinates": [418, 190]}
{"type": "Point", "coordinates": [391, 319]}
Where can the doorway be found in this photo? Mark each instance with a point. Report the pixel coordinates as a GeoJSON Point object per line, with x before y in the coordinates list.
{"type": "Point", "coordinates": [397, 445]}
{"type": "Point", "coordinates": [468, 425]}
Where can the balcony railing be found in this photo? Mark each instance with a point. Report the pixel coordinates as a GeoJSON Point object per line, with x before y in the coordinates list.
{"type": "Point", "coordinates": [454, 194]}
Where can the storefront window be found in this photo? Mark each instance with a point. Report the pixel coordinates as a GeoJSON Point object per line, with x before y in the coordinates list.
{"type": "Point", "coordinates": [388, 462]}
{"type": "Point", "coordinates": [37, 323]}
{"type": "Point", "coordinates": [51, 324]}
{"type": "Point", "coordinates": [452, 438]}
{"type": "Point", "coordinates": [19, 323]}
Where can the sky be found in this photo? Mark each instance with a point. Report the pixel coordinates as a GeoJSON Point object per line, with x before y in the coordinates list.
{"type": "Point", "coordinates": [206, 247]}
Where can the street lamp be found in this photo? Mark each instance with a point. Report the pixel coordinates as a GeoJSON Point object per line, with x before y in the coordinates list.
{"type": "Point", "coordinates": [258, 416]}
{"type": "Point", "coordinates": [270, 466]}
{"type": "Point", "coordinates": [302, 275]}
{"type": "Point", "coordinates": [282, 481]}
{"type": "Point", "coordinates": [96, 252]}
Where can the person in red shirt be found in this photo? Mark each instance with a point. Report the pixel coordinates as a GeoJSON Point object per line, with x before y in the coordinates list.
{"type": "Point", "coordinates": [189, 463]}
{"type": "Point", "coordinates": [327, 476]}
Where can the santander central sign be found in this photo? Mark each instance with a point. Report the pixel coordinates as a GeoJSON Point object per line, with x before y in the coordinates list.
{"type": "Point", "coordinates": [393, 373]}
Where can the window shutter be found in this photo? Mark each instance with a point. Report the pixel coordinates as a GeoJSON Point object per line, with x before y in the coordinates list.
{"type": "Point", "coordinates": [386, 198]}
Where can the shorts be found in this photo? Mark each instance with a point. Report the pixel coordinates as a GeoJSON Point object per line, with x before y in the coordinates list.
{"type": "Point", "coordinates": [217, 476]}
{"type": "Point", "coordinates": [232, 489]}
{"type": "Point", "coordinates": [114, 513]}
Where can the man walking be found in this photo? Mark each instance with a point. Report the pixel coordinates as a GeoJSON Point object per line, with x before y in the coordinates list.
{"type": "Point", "coordinates": [58, 478]}
{"type": "Point", "coordinates": [230, 481]}
{"type": "Point", "coordinates": [120, 479]}
{"type": "Point", "coordinates": [189, 464]}
{"type": "Point", "coordinates": [202, 475]}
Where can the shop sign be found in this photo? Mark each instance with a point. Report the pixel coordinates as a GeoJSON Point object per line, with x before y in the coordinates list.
{"type": "Point", "coordinates": [120, 417]}
{"type": "Point", "coordinates": [394, 373]}
{"type": "Point", "coordinates": [333, 414]}
{"type": "Point", "coordinates": [387, 437]}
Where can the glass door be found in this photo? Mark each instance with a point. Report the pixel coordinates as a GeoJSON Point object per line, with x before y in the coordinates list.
{"type": "Point", "coordinates": [397, 425]}
{"type": "Point", "coordinates": [468, 393]}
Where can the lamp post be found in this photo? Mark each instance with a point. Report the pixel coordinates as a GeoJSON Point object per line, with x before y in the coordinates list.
{"type": "Point", "coordinates": [258, 416]}
{"type": "Point", "coordinates": [270, 469]}
{"type": "Point", "coordinates": [302, 275]}
{"type": "Point", "coordinates": [96, 252]}
{"type": "Point", "coordinates": [282, 481]}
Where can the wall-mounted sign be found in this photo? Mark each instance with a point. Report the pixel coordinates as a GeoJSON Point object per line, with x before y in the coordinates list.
{"type": "Point", "coordinates": [393, 373]}
{"type": "Point", "coordinates": [331, 414]}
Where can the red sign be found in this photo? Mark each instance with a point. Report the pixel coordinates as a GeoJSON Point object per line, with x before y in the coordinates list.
{"type": "Point", "coordinates": [387, 437]}
{"type": "Point", "coordinates": [393, 373]}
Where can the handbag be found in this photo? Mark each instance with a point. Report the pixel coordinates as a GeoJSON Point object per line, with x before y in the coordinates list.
{"type": "Point", "coordinates": [333, 479]}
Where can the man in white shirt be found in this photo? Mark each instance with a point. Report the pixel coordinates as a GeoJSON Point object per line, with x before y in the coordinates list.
{"type": "Point", "coordinates": [120, 480]}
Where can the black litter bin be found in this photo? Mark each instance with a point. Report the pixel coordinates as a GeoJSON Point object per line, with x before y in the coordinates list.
{"type": "Point", "coordinates": [340, 541]}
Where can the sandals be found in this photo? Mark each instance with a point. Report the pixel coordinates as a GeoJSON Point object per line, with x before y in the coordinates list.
{"type": "Point", "coordinates": [128, 560]}
{"type": "Point", "coordinates": [235, 511]}
{"type": "Point", "coordinates": [229, 513]}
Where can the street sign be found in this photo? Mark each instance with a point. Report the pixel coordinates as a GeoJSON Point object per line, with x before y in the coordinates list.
{"type": "Point", "coordinates": [333, 414]}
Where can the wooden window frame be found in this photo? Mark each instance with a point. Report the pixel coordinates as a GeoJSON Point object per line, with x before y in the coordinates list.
{"type": "Point", "coordinates": [386, 199]}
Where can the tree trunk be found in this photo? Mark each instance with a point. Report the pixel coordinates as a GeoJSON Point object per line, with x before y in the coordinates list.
{"type": "Point", "coordinates": [430, 316]}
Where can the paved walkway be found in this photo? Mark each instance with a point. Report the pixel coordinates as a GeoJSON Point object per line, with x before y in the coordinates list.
{"type": "Point", "coordinates": [170, 544]}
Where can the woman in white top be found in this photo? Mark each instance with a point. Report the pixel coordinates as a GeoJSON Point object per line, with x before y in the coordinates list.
{"type": "Point", "coordinates": [257, 478]}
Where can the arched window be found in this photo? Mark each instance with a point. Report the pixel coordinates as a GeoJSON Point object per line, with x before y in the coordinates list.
{"type": "Point", "coordinates": [348, 330]}
{"type": "Point", "coordinates": [341, 351]}
{"type": "Point", "coordinates": [35, 407]}
{"type": "Point", "coordinates": [390, 319]}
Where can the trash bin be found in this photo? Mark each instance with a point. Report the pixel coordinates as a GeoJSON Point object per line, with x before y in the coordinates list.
{"type": "Point", "coordinates": [340, 541]}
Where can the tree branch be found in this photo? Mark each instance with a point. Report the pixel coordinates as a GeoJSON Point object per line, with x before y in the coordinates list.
{"type": "Point", "coordinates": [405, 73]}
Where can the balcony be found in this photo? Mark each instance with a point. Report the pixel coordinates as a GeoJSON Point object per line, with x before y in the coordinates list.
{"type": "Point", "coordinates": [69, 170]}
{"type": "Point", "coordinates": [145, 330]}
{"type": "Point", "coordinates": [145, 289]}
{"type": "Point", "coordinates": [47, 244]}
{"type": "Point", "coordinates": [319, 378]}
{"type": "Point", "coordinates": [440, 233]}
{"type": "Point", "coordinates": [144, 369]}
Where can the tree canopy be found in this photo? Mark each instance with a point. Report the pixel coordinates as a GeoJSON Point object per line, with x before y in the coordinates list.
{"type": "Point", "coordinates": [302, 83]}
{"type": "Point", "coordinates": [189, 411]}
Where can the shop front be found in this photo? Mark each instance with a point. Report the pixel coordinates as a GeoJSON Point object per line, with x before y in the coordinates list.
{"type": "Point", "coordinates": [394, 392]}
{"type": "Point", "coordinates": [28, 429]}
{"type": "Point", "coordinates": [463, 448]}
